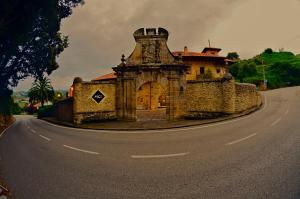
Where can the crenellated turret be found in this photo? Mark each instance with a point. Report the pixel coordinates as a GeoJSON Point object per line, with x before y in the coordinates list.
{"type": "Point", "coordinates": [151, 48]}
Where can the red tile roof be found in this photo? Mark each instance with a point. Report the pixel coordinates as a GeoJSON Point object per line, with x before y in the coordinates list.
{"type": "Point", "coordinates": [207, 52]}
{"type": "Point", "coordinates": [106, 77]}
{"type": "Point", "coordinates": [195, 54]}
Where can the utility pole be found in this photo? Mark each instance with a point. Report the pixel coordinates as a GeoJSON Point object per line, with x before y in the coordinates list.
{"type": "Point", "coordinates": [264, 74]}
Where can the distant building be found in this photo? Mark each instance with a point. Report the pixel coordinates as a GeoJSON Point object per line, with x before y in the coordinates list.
{"type": "Point", "coordinates": [207, 64]}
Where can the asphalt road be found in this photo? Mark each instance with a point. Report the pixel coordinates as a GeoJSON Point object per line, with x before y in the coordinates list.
{"type": "Point", "coordinates": [257, 156]}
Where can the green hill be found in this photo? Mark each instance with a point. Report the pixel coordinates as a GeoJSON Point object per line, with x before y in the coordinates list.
{"type": "Point", "coordinates": [282, 69]}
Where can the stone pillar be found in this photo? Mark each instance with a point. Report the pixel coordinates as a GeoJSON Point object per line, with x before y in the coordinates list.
{"type": "Point", "coordinates": [77, 84]}
{"type": "Point", "coordinates": [172, 97]}
{"type": "Point", "coordinates": [129, 99]}
{"type": "Point", "coordinates": [229, 95]}
{"type": "Point", "coordinates": [120, 99]}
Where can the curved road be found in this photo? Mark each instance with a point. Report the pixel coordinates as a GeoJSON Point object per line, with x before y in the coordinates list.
{"type": "Point", "coordinates": [257, 156]}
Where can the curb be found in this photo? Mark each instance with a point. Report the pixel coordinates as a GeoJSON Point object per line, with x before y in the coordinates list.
{"type": "Point", "coordinates": [2, 133]}
{"type": "Point", "coordinates": [245, 113]}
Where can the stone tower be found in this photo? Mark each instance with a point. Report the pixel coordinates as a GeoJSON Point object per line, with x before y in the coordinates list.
{"type": "Point", "coordinates": [151, 61]}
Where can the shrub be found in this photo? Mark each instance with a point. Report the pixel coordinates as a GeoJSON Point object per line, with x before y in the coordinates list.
{"type": "Point", "coordinates": [46, 111]}
{"type": "Point", "coordinates": [31, 109]}
{"type": "Point", "coordinates": [15, 109]}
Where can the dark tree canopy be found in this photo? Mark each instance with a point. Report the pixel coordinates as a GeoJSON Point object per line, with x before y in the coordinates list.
{"type": "Point", "coordinates": [233, 55]}
{"type": "Point", "coordinates": [30, 40]}
{"type": "Point", "coordinates": [268, 51]}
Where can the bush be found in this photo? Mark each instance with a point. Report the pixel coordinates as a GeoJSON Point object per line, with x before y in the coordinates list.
{"type": "Point", "coordinates": [15, 109]}
{"type": "Point", "coordinates": [46, 111]}
{"type": "Point", "coordinates": [31, 109]}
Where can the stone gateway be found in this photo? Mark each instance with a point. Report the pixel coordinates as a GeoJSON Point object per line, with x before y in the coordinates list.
{"type": "Point", "coordinates": [152, 83]}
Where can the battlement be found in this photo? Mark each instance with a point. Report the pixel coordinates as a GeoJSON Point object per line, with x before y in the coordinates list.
{"type": "Point", "coordinates": [143, 33]}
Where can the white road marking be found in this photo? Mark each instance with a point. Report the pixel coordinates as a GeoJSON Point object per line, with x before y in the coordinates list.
{"type": "Point", "coordinates": [240, 140]}
{"type": "Point", "coordinates": [4, 131]}
{"type": "Point", "coordinates": [159, 156]}
{"type": "Point", "coordinates": [276, 121]}
{"type": "Point", "coordinates": [33, 131]}
{"type": "Point", "coordinates": [81, 150]}
{"type": "Point", "coordinates": [48, 139]}
{"type": "Point", "coordinates": [287, 110]}
{"type": "Point", "coordinates": [3, 188]}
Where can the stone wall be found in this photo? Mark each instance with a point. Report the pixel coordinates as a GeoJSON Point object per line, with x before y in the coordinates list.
{"type": "Point", "coordinates": [64, 110]}
{"type": "Point", "coordinates": [204, 96]}
{"type": "Point", "coordinates": [213, 98]}
{"type": "Point", "coordinates": [86, 108]}
{"type": "Point", "coordinates": [246, 97]}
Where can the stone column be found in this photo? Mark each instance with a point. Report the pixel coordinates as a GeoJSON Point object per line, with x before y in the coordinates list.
{"type": "Point", "coordinates": [172, 97]}
{"type": "Point", "coordinates": [77, 85]}
{"type": "Point", "coordinates": [229, 95]}
{"type": "Point", "coordinates": [129, 102]}
{"type": "Point", "coordinates": [120, 98]}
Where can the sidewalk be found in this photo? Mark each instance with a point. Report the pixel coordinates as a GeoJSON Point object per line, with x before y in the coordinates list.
{"type": "Point", "coordinates": [147, 125]}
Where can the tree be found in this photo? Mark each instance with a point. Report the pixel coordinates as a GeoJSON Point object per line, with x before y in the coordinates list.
{"type": "Point", "coordinates": [268, 51]}
{"type": "Point", "coordinates": [233, 55]}
{"type": "Point", "coordinates": [41, 91]}
{"type": "Point", "coordinates": [30, 41]}
{"type": "Point", "coordinates": [243, 70]}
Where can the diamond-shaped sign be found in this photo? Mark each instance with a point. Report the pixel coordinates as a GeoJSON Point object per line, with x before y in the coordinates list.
{"type": "Point", "coordinates": [98, 96]}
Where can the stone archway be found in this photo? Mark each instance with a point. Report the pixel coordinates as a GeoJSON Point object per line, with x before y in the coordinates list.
{"type": "Point", "coordinates": [150, 64]}
{"type": "Point", "coordinates": [151, 102]}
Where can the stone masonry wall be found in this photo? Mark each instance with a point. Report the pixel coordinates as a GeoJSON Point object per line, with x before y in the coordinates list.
{"type": "Point", "coordinates": [213, 98]}
{"type": "Point", "coordinates": [204, 96]}
{"type": "Point", "coordinates": [86, 109]}
{"type": "Point", "coordinates": [246, 97]}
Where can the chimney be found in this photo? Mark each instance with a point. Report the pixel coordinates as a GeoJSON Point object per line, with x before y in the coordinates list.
{"type": "Point", "coordinates": [185, 51]}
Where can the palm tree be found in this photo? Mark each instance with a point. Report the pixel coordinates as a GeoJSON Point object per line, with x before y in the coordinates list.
{"type": "Point", "coordinates": [41, 91]}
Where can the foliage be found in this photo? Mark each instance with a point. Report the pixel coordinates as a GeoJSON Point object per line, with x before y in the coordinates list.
{"type": "Point", "coordinates": [46, 111]}
{"type": "Point", "coordinates": [41, 91]}
{"type": "Point", "coordinates": [31, 109]}
{"type": "Point", "coordinates": [15, 109]}
{"type": "Point", "coordinates": [233, 55]}
{"type": "Point", "coordinates": [30, 40]}
{"type": "Point", "coordinates": [242, 70]}
{"type": "Point", "coordinates": [281, 69]}
{"type": "Point", "coordinates": [5, 101]}
{"type": "Point", "coordinates": [268, 51]}
{"type": "Point", "coordinates": [58, 96]}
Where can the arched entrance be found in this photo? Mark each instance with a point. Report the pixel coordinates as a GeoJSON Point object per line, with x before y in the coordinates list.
{"type": "Point", "coordinates": [151, 102]}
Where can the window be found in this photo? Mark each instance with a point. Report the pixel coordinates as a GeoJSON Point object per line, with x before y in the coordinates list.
{"type": "Point", "coordinates": [181, 91]}
{"type": "Point", "coordinates": [202, 70]}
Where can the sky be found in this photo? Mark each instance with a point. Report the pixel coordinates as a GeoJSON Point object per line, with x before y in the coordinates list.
{"type": "Point", "coordinates": [101, 31]}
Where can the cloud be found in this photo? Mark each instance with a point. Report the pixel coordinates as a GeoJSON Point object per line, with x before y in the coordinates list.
{"type": "Point", "coordinates": [100, 31]}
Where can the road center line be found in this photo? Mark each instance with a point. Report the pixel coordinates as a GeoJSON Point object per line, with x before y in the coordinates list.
{"type": "Point", "coordinates": [159, 156]}
{"type": "Point", "coordinates": [33, 131]}
{"type": "Point", "coordinates": [240, 140]}
{"type": "Point", "coordinates": [81, 150]}
{"type": "Point", "coordinates": [286, 112]}
{"type": "Point", "coordinates": [275, 122]}
{"type": "Point", "coordinates": [48, 139]}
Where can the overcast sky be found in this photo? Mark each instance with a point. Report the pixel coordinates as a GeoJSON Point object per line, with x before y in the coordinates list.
{"type": "Point", "coordinates": [100, 31]}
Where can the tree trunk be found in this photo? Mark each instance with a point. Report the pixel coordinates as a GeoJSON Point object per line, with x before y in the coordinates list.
{"type": "Point", "coordinates": [5, 103]}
